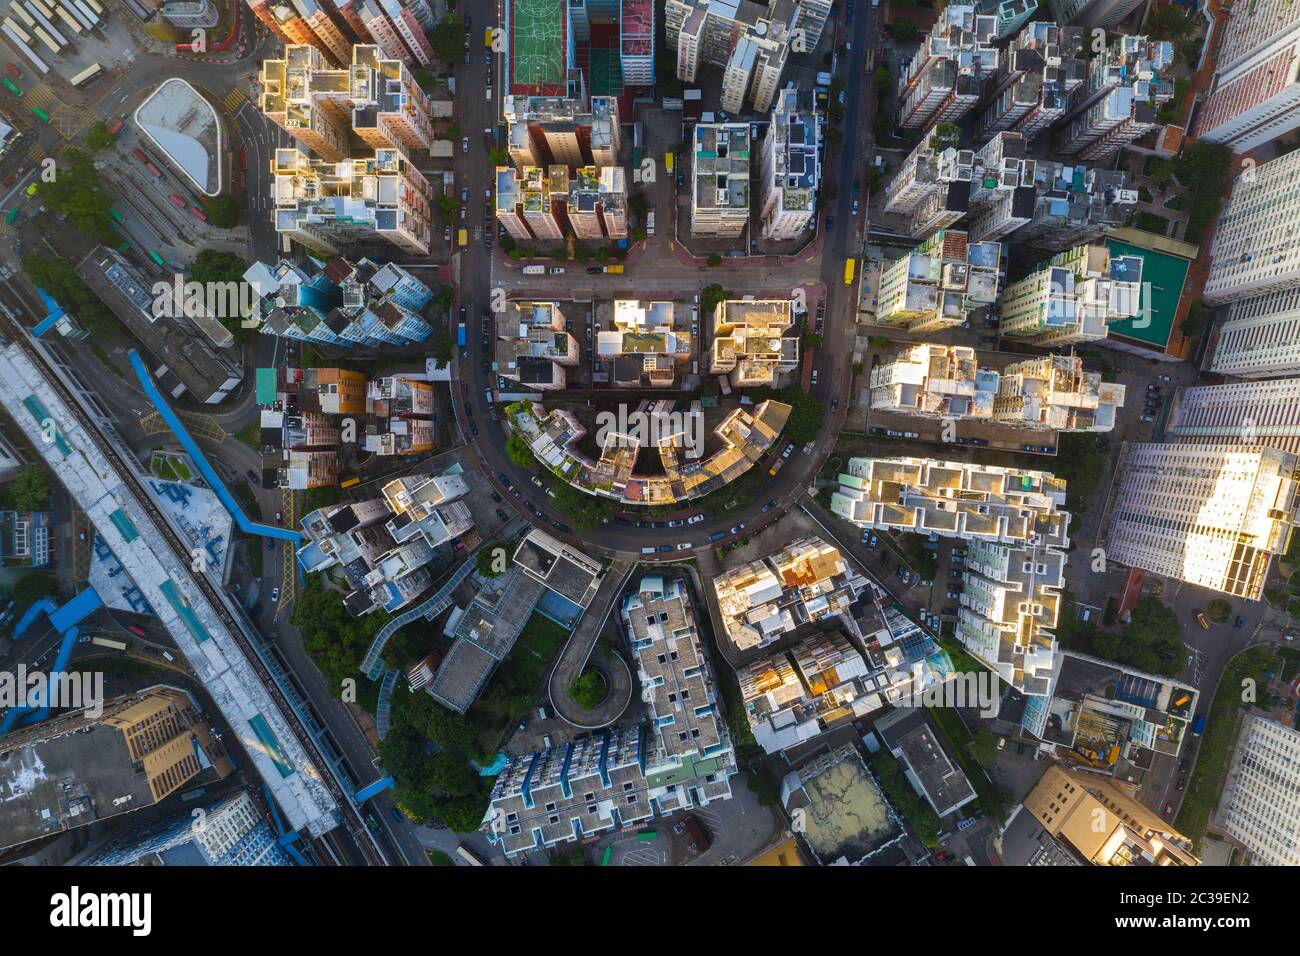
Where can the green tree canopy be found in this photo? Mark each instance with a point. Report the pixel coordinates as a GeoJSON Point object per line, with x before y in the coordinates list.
{"type": "Point", "coordinates": [904, 31]}
{"type": "Point", "coordinates": [448, 40]}
{"type": "Point", "coordinates": [99, 137]}
{"type": "Point", "coordinates": [59, 278]}
{"type": "Point", "coordinates": [518, 452]}
{"type": "Point", "coordinates": [223, 211]}
{"type": "Point", "coordinates": [78, 191]}
{"type": "Point", "coordinates": [29, 491]}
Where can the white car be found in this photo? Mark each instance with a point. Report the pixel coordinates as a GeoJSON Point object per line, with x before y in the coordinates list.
{"type": "Point", "coordinates": [684, 546]}
{"type": "Point", "coordinates": [464, 144]}
{"type": "Point", "coordinates": [695, 519]}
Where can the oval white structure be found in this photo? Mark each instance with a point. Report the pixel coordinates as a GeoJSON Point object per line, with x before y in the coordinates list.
{"type": "Point", "coordinates": [182, 125]}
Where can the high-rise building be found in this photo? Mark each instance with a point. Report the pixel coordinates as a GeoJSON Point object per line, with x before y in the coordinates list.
{"type": "Point", "coordinates": [1056, 392]}
{"type": "Point", "coordinates": [1251, 413]}
{"type": "Point", "coordinates": [1258, 806]}
{"type": "Point", "coordinates": [934, 381]}
{"type": "Point", "coordinates": [753, 341]}
{"type": "Point", "coordinates": [1011, 14]}
{"type": "Point", "coordinates": [1254, 250]}
{"type": "Point", "coordinates": [946, 77]}
{"type": "Point", "coordinates": [625, 777]}
{"type": "Point", "coordinates": [1090, 14]}
{"type": "Point", "coordinates": [569, 131]}
{"type": "Point", "coordinates": [375, 100]}
{"type": "Point", "coordinates": [1260, 338]}
{"type": "Point", "coordinates": [719, 179]}
{"type": "Point", "coordinates": [325, 205]}
{"type": "Point", "coordinates": [399, 416]}
{"type": "Point", "coordinates": [1016, 536]}
{"type": "Point", "coordinates": [806, 582]}
{"type": "Point", "coordinates": [790, 167]}
{"type": "Point", "coordinates": [939, 282]}
{"type": "Point", "coordinates": [1071, 204]}
{"type": "Point", "coordinates": [1210, 515]}
{"type": "Point", "coordinates": [1098, 823]}
{"type": "Point", "coordinates": [1256, 94]}
{"type": "Point", "coordinates": [233, 831]}
{"type": "Point", "coordinates": [1127, 84]}
{"type": "Point", "coordinates": [748, 42]}
{"type": "Point", "coordinates": [1037, 74]}
{"type": "Point", "coordinates": [643, 344]}
{"type": "Point", "coordinates": [533, 347]}
{"type": "Point", "coordinates": [338, 302]}
{"type": "Point", "coordinates": [1072, 297]}
{"type": "Point", "coordinates": [84, 766]}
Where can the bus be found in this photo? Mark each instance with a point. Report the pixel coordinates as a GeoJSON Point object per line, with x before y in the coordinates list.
{"type": "Point", "coordinates": [609, 853]}
{"type": "Point", "coordinates": [72, 24]}
{"type": "Point", "coordinates": [350, 482]}
{"type": "Point", "coordinates": [469, 856]}
{"type": "Point", "coordinates": [117, 216]}
{"type": "Point", "coordinates": [157, 259]}
{"type": "Point", "coordinates": [668, 161]}
{"type": "Point", "coordinates": [105, 642]}
{"type": "Point", "coordinates": [12, 216]}
{"type": "Point", "coordinates": [137, 630]}
{"type": "Point", "coordinates": [487, 37]}
{"type": "Point", "coordinates": [86, 75]}
{"type": "Point", "coordinates": [18, 31]}
{"type": "Point", "coordinates": [462, 237]}
{"type": "Point", "coordinates": [124, 247]}
{"type": "Point", "coordinates": [40, 114]}
{"type": "Point", "coordinates": [94, 5]}
{"type": "Point", "coordinates": [199, 214]}
{"type": "Point", "coordinates": [116, 128]}
{"type": "Point", "coordinates": [177, 201]}
{"type": "Point", "coordinates": [45, 38]}
{"type": "Point", "coordinates": [12, 87]}
{"type": "Point", "coordinates": [849, 266]}
{"type": "Point", "coordinates": [23, 15]}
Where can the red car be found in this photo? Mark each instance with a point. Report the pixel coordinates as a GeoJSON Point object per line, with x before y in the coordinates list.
{"type": "Point", "coordinates": [16, 73]}
{"type": "Point", "coordinates": [243, 159]}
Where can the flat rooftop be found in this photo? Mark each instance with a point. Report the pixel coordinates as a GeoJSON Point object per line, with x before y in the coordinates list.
{"type": "Point", "coordinates": [186, 129]}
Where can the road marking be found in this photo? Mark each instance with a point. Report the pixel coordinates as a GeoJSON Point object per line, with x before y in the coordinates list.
{"type": "Point", "coordinates": [233, 100]}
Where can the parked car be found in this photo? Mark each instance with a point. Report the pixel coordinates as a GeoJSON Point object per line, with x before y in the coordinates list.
{"type": "Point", "coordinates": [676, 523]}
{"type": "Point", "coordinates": [695, 519]}
{"type": "Point", "coordinates": [464, 144]}
{"type": "Point", "coordinates": [769, 506]}
{"type": "Point", "coordinates": [275, 595]}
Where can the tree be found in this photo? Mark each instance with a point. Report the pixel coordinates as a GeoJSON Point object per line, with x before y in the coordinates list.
{"type": "Point", "coordinates": [448, 40]}
{"type": "Point", "coordinates": [881, 78]}
{"type": "Point", "coordinates": [78, 192]}
{"type": "Point", "coordinates": [498, 157]}
{"type": "Point", "coordinates": [1194, 324]}
{"type": "Point", "coordinates": [518, 452]}
{"type": "Point", "coordinates": [486, 559]}
{"type": "Point", "coordinates": [834, 137]}
{"type": "Point", "coordinates": [212, 265]}
{"type": "Point", "coordinates": [584, 511]}
{"type": "Point", "coordinates": [444, 297]}
{"type": "Point", "coordinates": [441, 348]}
{"type": "Point", "coordinates": [811, 340]}
{"type": "Point", "coordinates": [714, 260]}
{"type": "Point", "coordinates": [99, 137]}
{"type": "Point", "coordinates": [59, 278]}
{"type": "Point", "coordinates": [29, 491]}
{"type": "Point", "coordinates": [447, 205]}
{"type": "Point", "coordinates": [223, 211]}
{"type": "Point", "coordinates": [33, 586]}
{"type": "Point", "coordinates": [904, 31]}
{"type": "Point", "coordinates": [589, 689]}
{"type": "Point", "coordinates": [711, 295]}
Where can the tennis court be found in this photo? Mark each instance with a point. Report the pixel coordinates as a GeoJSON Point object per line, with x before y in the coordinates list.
{"type": "Point", "coordinates": [537, 44]}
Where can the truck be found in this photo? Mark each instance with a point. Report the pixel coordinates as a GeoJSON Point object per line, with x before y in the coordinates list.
{"type": "Point", "coordinates": [105, 642]}
{"type": "Point", "coordinates": [650, 223]}
{"type": "Point", "coordinates": [614, 270]}
{"type": "Point", "coordinates": [534, 270]}
{"type": "Point", "coordinates": [823, 79]}
{"type": "Point", "coordinates": [462, 238]}
{"type": "Point", "coordinates": [1198, 725]}
{"type": "Point", "coordinates": [461, 338]}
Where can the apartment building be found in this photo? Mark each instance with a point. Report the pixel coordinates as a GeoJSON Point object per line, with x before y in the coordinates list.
{"type": "Point", "coordinates": [790, 167]}
{"type": "Point", "coordinates": [1254, 249]}
{"type": "Point", "coordinates": [1250, 413]}
{"type": "Point", "coordinates": [742, 439]}
{"type": "Point", "coordinates": [1127, 85]}
{"type": "Point", "coordinates": [339, 302]}
{"type": "Point", "coordinates": [749, 42]}
{"type": "Point", "coordinates": [231, 831]}
{"type": "Point", "coordinates": [1016, 537]}
{"type": "Point", "coordinates": [946, 77]}
{"type": "Point", "coordinates": [934, 381]}
{"type": "Point", "coordinates": [720, 180]}
{"type": "Point", "coordinates": [568, 131]}
{"type": "Point", "coordinates": [1073, 204]}
{"type": "Point", "coordinates": [399, 416]}
{"type": "Point", "coordinates": [938, 283]}
{"type": "Point", "coordinates": [1256, 93]}
{"type": "Point", "coordinates": [1056, 392]}
{"type": "Point", "coordinates": [753, 341]}
{"type": "Point", "coordinates": [796, 695]}
{"type": "Point", "coordinates": [533, 347]}
{"type": "Point", "coordinates": [1091, 14]}
{"type": "Point", "coordinates": [301, 431]}
{"type": "Point", "coordinates": [806, 582]}
{"type": "Point", "coordinates": [643, 345]}
{"type": "Point", "coordinates": [1213, 515]}
{"type": "Point", "coordinates": [373, 101]}
{"type": "Point", "coordinates": [384, 545]}
{"type": "Point", "coordinates": [1097, 822]}
{"type": "Point", "coordinates": [933, 165]}
{"type": "Point", "coordinates": [84, 766]}
{"type": "Point", "coordinates": [1072, 298]}
{"type": "Point", "coordinates": [326, 205]}
{"type": "Point", "coordinates": [928, 766]}
{"type": "Point", "coordinates": [1260, 337]}
{"type": "Point", "coordinates": [191, 14]}
{"type": "Point", "coordinates": [623, 777]}
{"type": "Point", "coordinates": [1258, 805]}
{"type": "Point", "coordinates": [1037, 75]}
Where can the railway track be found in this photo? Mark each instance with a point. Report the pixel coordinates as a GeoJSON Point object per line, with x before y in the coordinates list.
{"type": "Point", "coordinates": [351, 817]}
